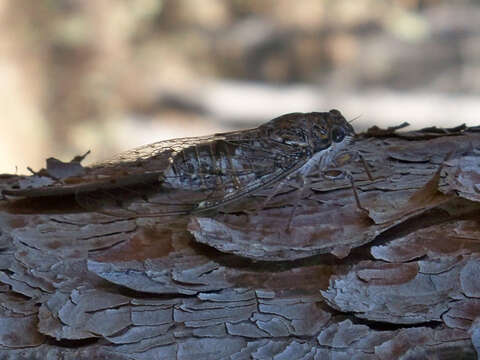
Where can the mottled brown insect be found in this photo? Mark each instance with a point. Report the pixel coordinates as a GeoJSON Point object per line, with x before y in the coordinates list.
{"type": "Point", "coordinates": [207, 172]}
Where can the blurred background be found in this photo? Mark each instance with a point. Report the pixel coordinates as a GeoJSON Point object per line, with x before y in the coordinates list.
{"type": "Point", "coordinates": [109, 75]}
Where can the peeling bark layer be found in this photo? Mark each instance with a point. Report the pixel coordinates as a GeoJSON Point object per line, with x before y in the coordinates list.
{"type": "Point", "coordinates": [396, 280]}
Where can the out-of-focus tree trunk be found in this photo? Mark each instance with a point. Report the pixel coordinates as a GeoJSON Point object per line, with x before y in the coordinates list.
{"type": "Point", "coordinates": [399, 280]}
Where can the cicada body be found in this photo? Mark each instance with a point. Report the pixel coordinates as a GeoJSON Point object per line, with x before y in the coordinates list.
{"type": "Point", "coordinates": [201, 173]}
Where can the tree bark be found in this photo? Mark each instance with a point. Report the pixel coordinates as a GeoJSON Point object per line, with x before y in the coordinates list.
{"type": "Point", "coordinates": [398, 279]}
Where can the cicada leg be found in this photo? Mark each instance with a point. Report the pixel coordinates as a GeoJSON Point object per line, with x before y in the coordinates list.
{"type": "Point", "coordinates": [334, 174]}
{"type": "Point", "coordinates": [365, 166]}
{"type": "Point", "coordinates": [353, 155]}
{"type": "Point", "coordinates": [305, 183]}
{"type": "Point", "coordinates": [275, 191]}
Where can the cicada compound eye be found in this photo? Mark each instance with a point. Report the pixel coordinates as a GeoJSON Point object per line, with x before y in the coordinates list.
{"type": "Point", "coordinates": [338, 134]}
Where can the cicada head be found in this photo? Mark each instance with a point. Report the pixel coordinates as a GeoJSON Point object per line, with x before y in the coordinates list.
{"type": "Point", "coordinates": [315, 131]}
{"type": "Point", "coordinates": [329, 130]}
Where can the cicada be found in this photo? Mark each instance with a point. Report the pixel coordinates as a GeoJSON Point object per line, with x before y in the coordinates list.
{"type": "Point", "coordinates": [195, 174]}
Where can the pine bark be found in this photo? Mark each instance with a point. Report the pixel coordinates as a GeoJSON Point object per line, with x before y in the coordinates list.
{"type": "Point", "coordinates": [398, 279]}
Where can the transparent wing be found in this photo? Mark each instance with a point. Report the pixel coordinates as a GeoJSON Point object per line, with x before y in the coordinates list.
{"type": "Point", "coordinates": [179, 176]}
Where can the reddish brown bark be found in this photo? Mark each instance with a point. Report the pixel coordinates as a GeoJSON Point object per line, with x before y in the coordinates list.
{"type": "Point", "coordinates": [398, 281]}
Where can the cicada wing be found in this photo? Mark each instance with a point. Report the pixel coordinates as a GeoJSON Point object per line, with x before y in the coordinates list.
{"type": "Point", "coordinates": [202, 174]}
{"type": "Point", "coordinates": [143, 199]}
{"type": "Point", "coordinates": [228, 169]}
{"type": "Point", "coordinates": [177, 176]}
{"type": "Point", "coordinates": [136, 178]}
